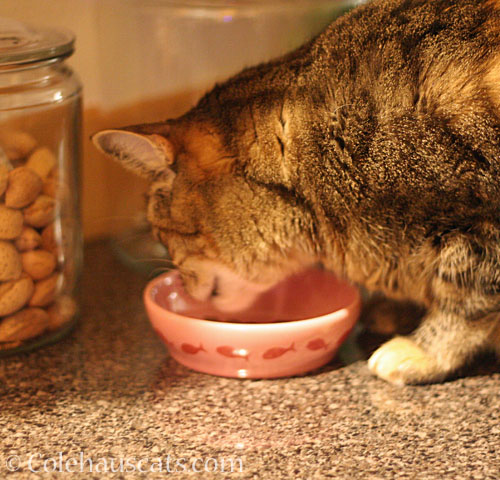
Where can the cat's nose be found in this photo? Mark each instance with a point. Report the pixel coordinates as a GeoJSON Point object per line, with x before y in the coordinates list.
{"type": "Point", "coordinates": [198, 286]}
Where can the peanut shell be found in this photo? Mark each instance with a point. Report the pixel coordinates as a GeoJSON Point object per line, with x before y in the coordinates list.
{"type": "Point", "coordinates": [15, 294]}
{"type": "Point", "coordinates": [41, 212]}
{"type": "Point", "coordinates": [10, 262]}
{"type": "Point", "coordinates": [51, 187]}
{"type": "Point", "coordinates": [4, 178]}
{"type": "Point", "coordinates": [46, 290]}
{"type": "Point", "coordinates": [42, 161]}
{"type": "Point", "coordinates": [28, 240]}
{"type": "Point", "coordinates": [4, 160]}
{"type": "Point", "coordinates": [23, 325]}
{"type": "Point", "coordinates": [11, 223]}
{"type": "Point", "coordinates": [48, 239]}
{"type": "Point", "coordinates": [16, 143]}
{"type": "Point", "coordinates": [38, 264]}
{"type": "Point", "coordinates": [55, 188]}
{"type": "Point", "coordinates": [24, 186]}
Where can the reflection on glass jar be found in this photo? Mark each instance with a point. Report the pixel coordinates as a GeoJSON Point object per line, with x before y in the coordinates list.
{"type": "Point", "coordinates": [40, 238]}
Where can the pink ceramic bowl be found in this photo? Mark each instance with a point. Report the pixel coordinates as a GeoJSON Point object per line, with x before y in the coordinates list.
{"type": "Point", "coordinates": [307, 317]}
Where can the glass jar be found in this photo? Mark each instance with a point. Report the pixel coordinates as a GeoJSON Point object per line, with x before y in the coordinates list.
{"type": "Point", "coordinates": [40, 237]}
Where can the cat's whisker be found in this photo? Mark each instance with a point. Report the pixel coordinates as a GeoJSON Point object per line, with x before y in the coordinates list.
{"type": "Point", "coordinates": [155, 260]}
{"type": "Point", "coordinates": [157, 271]}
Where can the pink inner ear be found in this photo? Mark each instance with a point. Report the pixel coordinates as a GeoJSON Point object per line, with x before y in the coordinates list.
{"type": "Point", "coordinates": [145, 155]}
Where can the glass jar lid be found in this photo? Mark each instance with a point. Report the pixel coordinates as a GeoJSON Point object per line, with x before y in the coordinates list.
{"type": "Point", "coordinates": [20, 43]}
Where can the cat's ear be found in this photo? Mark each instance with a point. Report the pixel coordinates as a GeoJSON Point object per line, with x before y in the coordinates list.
{"type": "Point", "coordinates": [146, 155]}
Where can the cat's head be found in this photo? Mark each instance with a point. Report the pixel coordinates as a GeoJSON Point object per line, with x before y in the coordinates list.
{"type": "Point", "coordinates": [230, 235]}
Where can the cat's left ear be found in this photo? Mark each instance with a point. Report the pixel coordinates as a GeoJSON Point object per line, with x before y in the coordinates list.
{"type": "Point", "coordinates": [146, 155]}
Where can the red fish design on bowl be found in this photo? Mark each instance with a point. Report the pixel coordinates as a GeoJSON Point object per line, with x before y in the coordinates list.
{"type": "Point", "coordinates": [276, 352]}
{"type": "Point", "coordinates": [192, 349]}
{"type": "Point", "coordinates": [231, 352]}
{"type": "Point", "coordinates": [317, 344]}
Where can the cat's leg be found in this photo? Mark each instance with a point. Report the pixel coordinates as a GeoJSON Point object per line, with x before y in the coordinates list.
{"type": "Point", "coordinates": [494, 340]}
{"type": "Point", "coordinates": [386, 316]}
{"type": "Point", "coordinates": [463, 316]}
{"type": "Point", "coordinates": [442, 343]}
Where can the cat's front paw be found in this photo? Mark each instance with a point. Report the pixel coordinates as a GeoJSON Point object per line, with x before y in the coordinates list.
{"type": "Point", "coordinates": [401, 361]}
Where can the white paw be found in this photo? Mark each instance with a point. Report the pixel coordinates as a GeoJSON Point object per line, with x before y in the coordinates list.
{"type": "Point", "coordinates": [401, 361]}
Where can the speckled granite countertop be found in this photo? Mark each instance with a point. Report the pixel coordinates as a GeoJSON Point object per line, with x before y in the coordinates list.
{"type": "Point", "coordinates": [108, 397]}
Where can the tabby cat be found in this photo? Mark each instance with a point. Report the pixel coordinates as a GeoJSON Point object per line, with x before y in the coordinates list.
{"type": "Point", "coordinates": [374, 149]}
